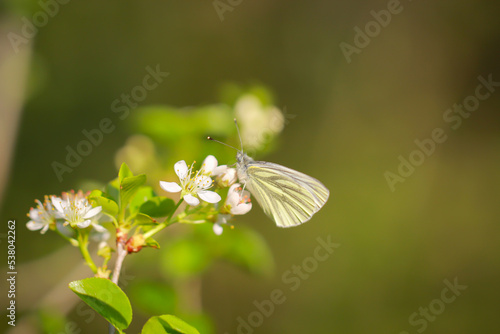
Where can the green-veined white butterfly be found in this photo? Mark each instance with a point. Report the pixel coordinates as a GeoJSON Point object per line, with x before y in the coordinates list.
{"type": "Point", "coordinates": [288, 197]}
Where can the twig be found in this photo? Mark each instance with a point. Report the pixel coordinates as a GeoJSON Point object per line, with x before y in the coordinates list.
{"type": "Point", "coordinates": [121, 253]}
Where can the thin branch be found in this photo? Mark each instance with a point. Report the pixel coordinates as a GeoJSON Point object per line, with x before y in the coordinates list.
{"type": "Point", "coordinates": [121, 253]}
{"type": "Point", "coordinates": [82, 245]}
{"type": "Point", "coordinates": [166, 223]}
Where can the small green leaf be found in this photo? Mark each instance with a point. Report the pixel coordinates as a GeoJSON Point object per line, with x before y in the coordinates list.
{"type": "Point", "coordinates": [202, 322]}
{"type": "Point", "coordinates": [128, 188]}
{"type": "Point", "coordinates": [113, 190]}
{"type": "Point", "coordinates": [95, 193]}
{"type": "Point", "coordinates": [167, 324]}
{"type": "Point", "coordinates": [158, 207]}
{"type": "Point", "coordinates": [150, 242]}
{"type": "Point", "coordinates": [143, 219]}
{"type": "Point", "coordinates": [109, 206]}
{"type": "Point", "coordinates": [144, 194]}
{"type": "Point", "coordinates": [124, 172]}
{"type": "Point", "coordinates": [106, 298]}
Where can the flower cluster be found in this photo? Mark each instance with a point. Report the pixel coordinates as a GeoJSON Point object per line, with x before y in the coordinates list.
{"type": "Point", "coordinates": [76, 219]}
{"type": "Point", "coordinates": [71, 209]}
{"type": "Point", "coordinates": [194, 186]}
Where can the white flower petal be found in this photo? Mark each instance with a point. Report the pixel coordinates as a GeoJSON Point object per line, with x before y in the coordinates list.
{"type": "Point", "coordinates": [57, 202]}
{"type": "Point", "coordinates": [229, 176]}
{"type": "Point", "coordinates": [219, 170]}
{"type": "Point", "coordinates": [232, 199]}
{"type": "Point", "coordinates": [34, 214]}
{"type": "Point", "coordinates": [99, 228]}
{"type": "Point", "coordinates": [234, 187]}
{"type": "Point", "coordinates": [233, 195]}
{"type": "Point", "coordinates": [241, 209]}
{"type": "Point", "coordinates": [83, 224]}
{"type": "Point", "coordinates": [33, 226]}
{"type": "Point", "coordinates": [191, 200]}
{"type": "Point", "coordinates": [181, 169]}
{"type": "Point", "coordinates": [225, 176]}
{"type": "Point", "coordinates": [93, 212]}
{"type": "Point", "coordinates": [209, 165]}
{"type": "Point", "coordinates": [209, 196]}
{"type": "Point", "coordinates": [44, 229]}
{"type": "Point", "coordinates": [171, 187]}
{"type": "Point", "coordinates": [217, 229]}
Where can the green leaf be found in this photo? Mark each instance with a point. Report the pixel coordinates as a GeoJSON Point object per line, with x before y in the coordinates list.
{"type": "Point", "coordinates": [109, 206]}
{"type": "Point", "coordinates": [150, 242]}
{"type": "Point", "coordinates": [106, 298]}
{"type": "Point", "coordinates": [143, 219]}
{"type": "Point", "coordinates": [124, 172]}
{"type": "Point", "coordinates": [128, 188]}
{"type": "Point", "coordinates": [158, 207]}
{"type": "Point", "coordinates": [167, 324]}
{"type": "Point", "coordinates": [144, 194]}
{"type": "Point", "coordinates": [202, 322]}
{"type": "Point", "coordinates": [113, 190]}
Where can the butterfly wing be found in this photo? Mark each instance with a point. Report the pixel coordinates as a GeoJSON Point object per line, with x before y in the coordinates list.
{"type": "Point", "coordinates": [288, 197]}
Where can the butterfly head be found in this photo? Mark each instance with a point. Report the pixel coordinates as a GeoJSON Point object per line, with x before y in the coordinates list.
{"type": "Point", "coordinates": [242, 159]}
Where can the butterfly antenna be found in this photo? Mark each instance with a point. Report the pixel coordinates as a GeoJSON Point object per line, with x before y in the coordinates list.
{"type": "Point", "coordinates": [239, 135]}
{"type": "Point", "coordinates": [217, 141]}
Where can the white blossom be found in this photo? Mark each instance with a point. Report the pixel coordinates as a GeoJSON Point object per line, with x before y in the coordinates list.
{"type": "Point", "coordinates": [75, 209]}
{"type": "Point", "coordinates": [41, 217]}
{"type": "Point", "coordinates": [192, 187]}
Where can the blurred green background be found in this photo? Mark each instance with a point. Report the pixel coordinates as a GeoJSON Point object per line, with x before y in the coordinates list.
{"type": "Point", "coordinates": [347, 125]}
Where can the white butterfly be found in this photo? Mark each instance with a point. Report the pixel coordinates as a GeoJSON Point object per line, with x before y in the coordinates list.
{"type": "Point", "coordinates": [288, 197]}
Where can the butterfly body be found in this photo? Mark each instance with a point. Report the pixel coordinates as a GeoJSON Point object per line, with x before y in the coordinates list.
{"type": "Point", "coordinates": [287, 196]}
